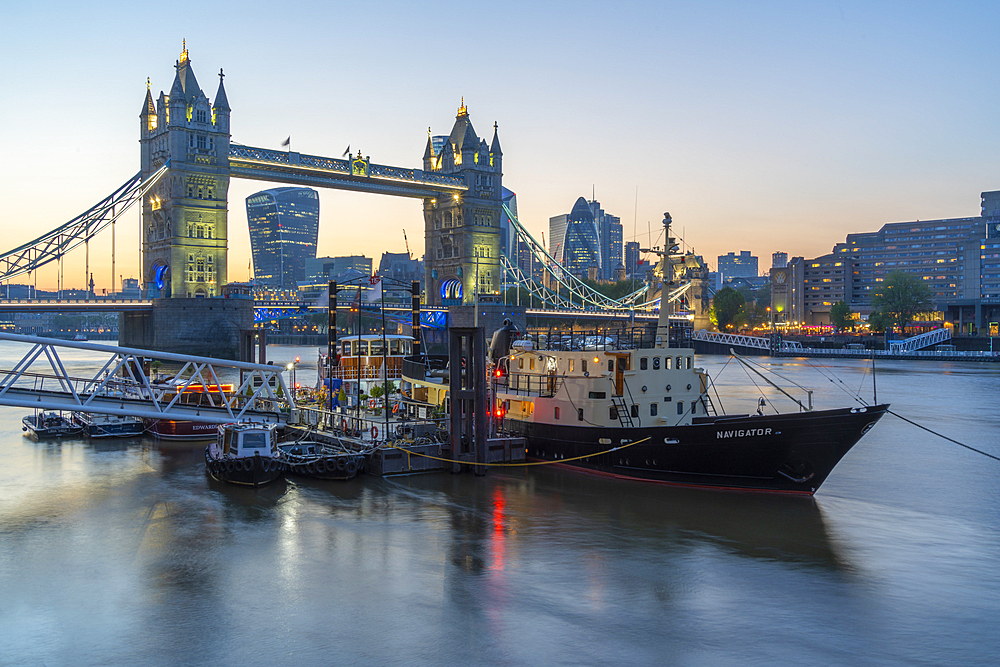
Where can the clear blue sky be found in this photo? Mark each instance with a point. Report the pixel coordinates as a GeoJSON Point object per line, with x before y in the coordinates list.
{"type": "Point", "coordinates": [762, 126]}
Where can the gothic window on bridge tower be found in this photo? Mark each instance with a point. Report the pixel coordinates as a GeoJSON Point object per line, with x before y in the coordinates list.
{"type": "Point", "coordinates": [201, 116]}
{"type": "Point", "coordinates": [447, 219]}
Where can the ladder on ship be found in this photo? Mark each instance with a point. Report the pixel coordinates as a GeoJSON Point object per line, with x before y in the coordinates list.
{"type": "Point", "coordinates": [624, 417]}
{"type": "Point", "coordinates": [708, 405]}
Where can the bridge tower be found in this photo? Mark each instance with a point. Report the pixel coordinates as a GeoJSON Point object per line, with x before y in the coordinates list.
{"type": "Point", "coordinates": [462, 233]}
{"type": "Point", "coordinates": [184, 217]}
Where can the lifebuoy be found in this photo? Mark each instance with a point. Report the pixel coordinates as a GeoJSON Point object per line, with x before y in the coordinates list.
{"type": "Point", "coordinates": [374, 432]}
{"type": "Point", "coordinates": [343, 425]}
{"type": "Point", "coordinates": [395, 408]}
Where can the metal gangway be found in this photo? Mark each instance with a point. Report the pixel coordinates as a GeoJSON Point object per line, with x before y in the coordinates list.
{"type": "Point", "coordinates": [754, 342]}
{"type": "Point", "coordinates": [926, 339]}
{"type": "Point", "coordinates": [122, 384]}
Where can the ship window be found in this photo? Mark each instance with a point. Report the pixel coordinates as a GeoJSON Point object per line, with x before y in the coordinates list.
{"type": "Point", "coordinates": [611, 364]}
{"type": "Point", "coordinates": [531, 364]}
{"type": "Point", "coordinates": [557, 413]}
{"type": "Point", "coordinates": [667, 363]}
{"type": "Point", "coordinates": [598, 394]}
{"type": "Point", "coordinates": [635, 410]}
{"type": "Point", "coordinates": [254, 440]}
{"type": "Point", "coordinates": [579, 414]}
{"type": "Point", "coordinates": [652, 409]}
{"type": "Point", "coordinates": [520, 362]}
{"type": "Point", "coordinates": [689, 362]}
{"type": "Point", "coordinates": [571, 364]}
{"type": "Point", "coordinates": [680, 363]}
{"type": "Point", "coordinates": [656, 363]}
{"type": "Point", "coordinates": [643, 362]}
{"type": "Point", "coordinates": [613, 413]}
{"type": "Point", "coordinates": [376, 348]}
{"type": "Point", "coordinates": [694, 407]}
{"type": "Point", "coordinates": [667, 399]}
{"type": "Point", "coordinates": [680, 407]}
{"type": "Point", "coordinates": [583, 365]}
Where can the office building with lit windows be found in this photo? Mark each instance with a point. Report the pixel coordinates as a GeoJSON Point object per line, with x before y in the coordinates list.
{"type": "Point", "coordinates": [574, 241]}
{"type": "Point", "coordinates": [743, 265]}
{"type": "Point", "coordinates": [284, 229]}
{"type": "Point", "coordinates": [957, 258]}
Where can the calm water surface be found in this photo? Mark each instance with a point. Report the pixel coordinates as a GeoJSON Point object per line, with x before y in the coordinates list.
{"type": "Point", "coordinates": [125, 552]}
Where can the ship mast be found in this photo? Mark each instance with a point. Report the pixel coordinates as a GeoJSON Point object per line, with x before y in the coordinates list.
{"type": "Point", "coordinates": [665, 269]}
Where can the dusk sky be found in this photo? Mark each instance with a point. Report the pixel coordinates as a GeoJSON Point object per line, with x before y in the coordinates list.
{"type": "Point", "coordinates": [760, 126]}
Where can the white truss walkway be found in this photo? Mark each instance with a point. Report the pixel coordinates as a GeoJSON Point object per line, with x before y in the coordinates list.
{"type": "Point", "coordinates": [756, 342]}
{"type": "Point", "coordinates": [121, 387]}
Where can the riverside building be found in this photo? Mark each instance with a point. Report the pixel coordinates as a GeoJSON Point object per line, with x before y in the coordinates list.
{"type": "Point", "coordinates": [957, 258]}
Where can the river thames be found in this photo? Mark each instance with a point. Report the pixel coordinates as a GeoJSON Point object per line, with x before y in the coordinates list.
{"type": "Point", "coordinates": [125, 552]}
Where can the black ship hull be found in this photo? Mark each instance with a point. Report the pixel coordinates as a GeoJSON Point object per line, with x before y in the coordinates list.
{"type": "Point", "coordinates": [789, 453]}
{"type": "Point", "coordinates": [247, 471]}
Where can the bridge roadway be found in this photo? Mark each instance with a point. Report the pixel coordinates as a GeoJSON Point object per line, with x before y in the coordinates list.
{"type": "Point", "coordinates": [264, 164]}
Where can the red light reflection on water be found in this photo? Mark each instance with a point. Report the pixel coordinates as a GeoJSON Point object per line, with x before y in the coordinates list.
{"type": "Point", "coordinates": [498, 538]}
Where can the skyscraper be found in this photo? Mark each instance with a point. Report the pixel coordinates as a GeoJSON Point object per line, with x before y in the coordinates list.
{"type": "Point", "coordinates": [284, 228]}
{"type": "Point", "coordinates": [609, 231]}
{"type": "Point", "coordinates": [573, 239]}
{"type": "Point", "coordinates": [779, 260]}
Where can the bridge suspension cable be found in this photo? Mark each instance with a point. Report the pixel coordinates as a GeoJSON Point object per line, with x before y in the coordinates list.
{"type": "Point", "coordinates": [580, 294]}
{"type": "Point", "coordinates": [53, 245]}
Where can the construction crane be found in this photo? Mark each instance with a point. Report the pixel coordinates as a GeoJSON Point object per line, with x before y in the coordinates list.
{"type": "Point", "coordinates": [406, 241]}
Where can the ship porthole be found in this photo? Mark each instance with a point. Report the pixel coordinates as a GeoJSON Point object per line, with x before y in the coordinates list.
{"type": "Point", "coordinates": [668, 387]}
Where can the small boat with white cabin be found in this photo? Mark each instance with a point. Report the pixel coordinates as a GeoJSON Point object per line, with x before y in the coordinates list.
{"type": "Point", "coordinates": [245, 453]}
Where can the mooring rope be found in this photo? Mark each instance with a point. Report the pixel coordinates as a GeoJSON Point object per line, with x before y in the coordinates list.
{"type": "Point", "coordinates": [960, 444]}
{"type": "Point", "coordinates": [518, 465]}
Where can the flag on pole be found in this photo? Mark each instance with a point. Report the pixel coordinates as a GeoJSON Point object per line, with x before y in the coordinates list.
{"type": "Point", "coordinates": [374, 293]}
{"type": "Point", "coordinates": [347, 152]}
{"type": "Point", "coordinates": [287, 142]}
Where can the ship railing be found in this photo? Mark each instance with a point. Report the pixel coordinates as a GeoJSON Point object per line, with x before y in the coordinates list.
{"type": "Point", "coordinates": [367, 373]}
{"type": "Point", "coordinates": [543, 386]}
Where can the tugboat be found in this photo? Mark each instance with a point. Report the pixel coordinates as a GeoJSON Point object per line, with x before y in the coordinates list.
{"type": "Point", "coordinates": [108, 426]}
{"type": "Point", "coordinates": [632, 406]}
{"type": "Point", "coordinates": [49, 425]}
{"type": "Point", "coordinates": [245, 453]}
{"type": "Point", "coordinates": [307, 458]}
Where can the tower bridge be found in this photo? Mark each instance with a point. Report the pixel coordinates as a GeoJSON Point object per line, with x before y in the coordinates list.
{"type": "Point", "coordinates": [187, 160]}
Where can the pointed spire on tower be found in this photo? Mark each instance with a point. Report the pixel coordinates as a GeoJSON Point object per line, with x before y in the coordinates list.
{"type": "Point", "coordinates": [221, 101]}
{"type": "Point", "coordinates": [177, 89]}
{"type": "Point", "coordinates": [462, 110]}
{"type": "Point", "coordinates": [495, 146]}
{"type": "Point", "coordinates": [429, 149]}
{"type": "Point", "coordinates": [148, 108]}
